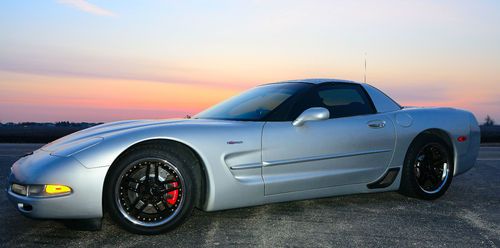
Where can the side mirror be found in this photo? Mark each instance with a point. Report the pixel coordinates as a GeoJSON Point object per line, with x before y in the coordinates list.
{"type": "Point", "coordinates": [312, 114]}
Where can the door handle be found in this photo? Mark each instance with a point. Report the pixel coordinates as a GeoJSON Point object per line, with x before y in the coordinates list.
{"type": "Point", "coordinates": [376, 124]}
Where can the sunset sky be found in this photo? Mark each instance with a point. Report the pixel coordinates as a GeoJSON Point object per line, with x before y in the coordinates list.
{"type": "Point", "coordinates": [109, 60]}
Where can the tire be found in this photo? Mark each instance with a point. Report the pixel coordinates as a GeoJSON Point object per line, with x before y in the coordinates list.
{"type": "Point", "coordinates": [428, 168]}
{"type": "Point", "coordinates": [158, 202]}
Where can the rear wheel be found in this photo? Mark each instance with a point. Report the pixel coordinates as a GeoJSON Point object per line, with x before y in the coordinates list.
{"type": "Point", "coordinates": [428, 168]}
{"type": "Point", "coordinates": [151, 190]}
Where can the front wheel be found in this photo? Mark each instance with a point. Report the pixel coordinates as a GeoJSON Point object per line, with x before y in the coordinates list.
{"type": "Point", "coordinates": [428, 168]}
{"type": "Point", "coordinates": [150, 190]}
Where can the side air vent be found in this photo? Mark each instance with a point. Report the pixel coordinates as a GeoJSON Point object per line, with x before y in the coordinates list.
{"type": "Point", "coordinates": [386, 180]}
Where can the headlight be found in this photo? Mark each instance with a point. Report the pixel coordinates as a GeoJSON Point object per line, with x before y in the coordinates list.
{"type": "Point", "coordinates": [76, 146]}
{"type": "Point", "coordinates": [19, 189]}
{"type": "Point", "coordinates": [40, 190]}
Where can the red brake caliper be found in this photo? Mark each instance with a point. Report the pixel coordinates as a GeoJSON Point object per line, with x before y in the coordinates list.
{"type": "Point", "coordinates": [172, 196]}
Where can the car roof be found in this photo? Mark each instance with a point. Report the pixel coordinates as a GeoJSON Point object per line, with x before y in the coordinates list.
{"type": "Point", "coordinates": [319, 81]}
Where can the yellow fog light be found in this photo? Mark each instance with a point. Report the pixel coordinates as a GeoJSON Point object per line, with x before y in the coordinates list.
{"type": "Point", "coordinates": [55, 189]}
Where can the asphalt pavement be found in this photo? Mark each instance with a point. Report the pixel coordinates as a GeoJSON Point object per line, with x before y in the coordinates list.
{"type": "Point", "coordinates": [468, 215]}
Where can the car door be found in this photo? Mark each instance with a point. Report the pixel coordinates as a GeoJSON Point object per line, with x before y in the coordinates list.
{"type": "Point", "coordinates": [353, 146]}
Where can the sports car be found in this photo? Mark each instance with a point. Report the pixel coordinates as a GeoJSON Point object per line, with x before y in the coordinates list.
{"type": "Point", "coordinates": [277, 142]}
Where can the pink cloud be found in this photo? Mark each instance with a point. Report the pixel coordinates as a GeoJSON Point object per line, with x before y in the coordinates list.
{"type": "Point", "coordinates": [87, 7]}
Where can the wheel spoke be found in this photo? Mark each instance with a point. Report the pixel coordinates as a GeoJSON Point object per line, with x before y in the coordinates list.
{"type": "Point", "coordinates": [140, 209]}
{"type": "Point", "coordinates": [422, 175]}
{"type": "Point", "coordinates": [438, 162]}
{"type": "Point", "coordinates": [132, 180]}
{"type": "Point", "coordinates": [133, 189]}
{"type": "Point", "coordinates": [428, 155]}
{"type": "Point", "coordinates": [157, 207]}
{"type": "Point", "coordinates": [133, 204]}
{"type": "Point", "coordinates": [432, 180]}
{"type": "Point", "coordinates": [157, 173]}
{"type": "Point", "coordinates": [147, 171]}
{"type": "Point", "coordinates": [426, 178]}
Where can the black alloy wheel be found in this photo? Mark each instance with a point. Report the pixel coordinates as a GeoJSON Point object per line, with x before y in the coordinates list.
{"type": "Point", "coordinates": [428, 168]}
{"type": "Point", "coordinates": [153, 188]}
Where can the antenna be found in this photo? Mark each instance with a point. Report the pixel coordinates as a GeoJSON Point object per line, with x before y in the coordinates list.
{"type": "Point", "coordinates": [365, 67]}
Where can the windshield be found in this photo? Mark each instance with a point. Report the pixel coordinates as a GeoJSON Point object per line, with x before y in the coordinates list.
{"type": "Point", "coordinates": [254, 104]}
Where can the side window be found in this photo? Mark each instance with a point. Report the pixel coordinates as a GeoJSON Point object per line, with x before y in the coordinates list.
{"type": "Point", "coordinates": [342, 100]}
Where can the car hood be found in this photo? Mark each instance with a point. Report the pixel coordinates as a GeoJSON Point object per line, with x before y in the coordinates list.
{"type": "Point", "coordinates": [98, 132]}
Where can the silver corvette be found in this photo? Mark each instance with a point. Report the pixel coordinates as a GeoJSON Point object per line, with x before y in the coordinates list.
{"type": "Point", "coordinates": [277, 142]}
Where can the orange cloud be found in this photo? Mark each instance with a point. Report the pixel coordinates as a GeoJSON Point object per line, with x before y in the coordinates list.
{"type": "Point", "coordinates": [98, 99]}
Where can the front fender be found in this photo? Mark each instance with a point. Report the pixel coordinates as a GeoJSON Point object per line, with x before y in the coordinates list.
{"type": "Point", "coordinates": [211, 143]}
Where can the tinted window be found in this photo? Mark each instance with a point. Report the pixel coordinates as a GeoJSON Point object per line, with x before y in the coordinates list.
{"type": "Point", "coordinates": [342, 100]}
{"type": "Point", "coordinates": [254, 104]}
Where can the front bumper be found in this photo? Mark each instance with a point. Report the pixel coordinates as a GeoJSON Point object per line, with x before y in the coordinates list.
{"type": "Point", "coordinates": [85, 201]}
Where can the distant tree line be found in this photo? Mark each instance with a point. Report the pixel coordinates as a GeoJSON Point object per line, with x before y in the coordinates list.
{"type": "Point", "coordinates": [488, 121]}
{"type": "Point", "coordinates": [34, 132]}
{"type": "Point", "coordinates": [489, 131]}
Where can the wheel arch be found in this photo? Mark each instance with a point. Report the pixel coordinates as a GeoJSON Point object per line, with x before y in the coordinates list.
{"type": "Point", "coordinates": [164, 141]}
{"type": "Point", "coordinates": [443, 135]}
